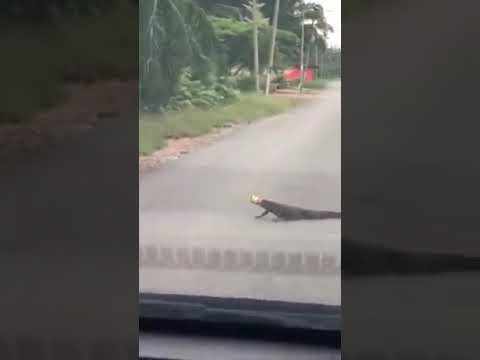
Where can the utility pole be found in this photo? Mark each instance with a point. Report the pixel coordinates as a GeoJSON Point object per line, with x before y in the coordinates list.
{"type": "Point", "coordinates": [272, 49]}
{"type": "Point", "coordinates": [256, 64]}
{"type": "Point", "coordinates": [302, 68]}
{"type": "Point", "coordinates": [254, 8]}
{"type": "Point", "coordinates": [322, 67]}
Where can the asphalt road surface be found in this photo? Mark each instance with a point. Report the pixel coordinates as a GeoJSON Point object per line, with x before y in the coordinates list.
{"type": "Point", "coordinates": [198, 234]}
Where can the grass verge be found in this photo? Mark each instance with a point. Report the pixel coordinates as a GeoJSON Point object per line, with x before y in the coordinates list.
{"type": "Point", "coordinates": [316, 84]}
{"type": "Point", "coordinates": [155, 129]}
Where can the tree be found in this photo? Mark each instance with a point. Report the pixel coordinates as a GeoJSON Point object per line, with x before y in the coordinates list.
{"type": "Point", "coordinates": [236, 40]}
{"type": "Point", "coordinates": [272, 49]}
{"type": "Point", "coordinates": [173, 34]}
{"type": "Point", "coordinates": [257, 20]}
{"type": "Point", "coordinates": [286, 12]}
{"type": "Point", "coordinates": [318, 30]}
{"type": "Point", "coordinates": [302, 46]}
{"type": "Point", "coordinates": [315, 27]}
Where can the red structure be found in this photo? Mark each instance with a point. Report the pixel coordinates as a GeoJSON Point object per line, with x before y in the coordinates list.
{"type": "Point", "coordinates": [293, 74]}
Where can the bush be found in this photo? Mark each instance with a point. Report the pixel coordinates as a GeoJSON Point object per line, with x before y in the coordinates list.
{"type": "Point", "coordinates": [246, 84]}
{"type": "Point", "coordinates": [194, 93]}
{"type": "Point", "coordinates": [228, 81]}
{"type": "Point", "coordinates": [227, 92]}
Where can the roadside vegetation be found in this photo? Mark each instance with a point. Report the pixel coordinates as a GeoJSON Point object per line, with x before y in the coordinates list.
{"type": "Point", "coordinates": [204, 63]}
{"type": "Point", "coordinates": [155, 129]}
{"type": "Point", "coordinates": [196, 57]}
{"type": "Point", "coordinates": [316, 84]}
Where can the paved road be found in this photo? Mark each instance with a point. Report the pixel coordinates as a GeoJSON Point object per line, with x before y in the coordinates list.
{"type": "Point", "coordinates": [199, 204]}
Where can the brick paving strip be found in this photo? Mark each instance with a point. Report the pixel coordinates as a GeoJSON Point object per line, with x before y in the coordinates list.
{"type": "Point", "coordinates": [239, 260]}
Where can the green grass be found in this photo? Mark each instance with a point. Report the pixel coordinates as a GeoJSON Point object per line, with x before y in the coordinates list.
{"type": "Point", "coordinates": [316, 84]}
{"type": "Point", "coordinates": [155, 128]}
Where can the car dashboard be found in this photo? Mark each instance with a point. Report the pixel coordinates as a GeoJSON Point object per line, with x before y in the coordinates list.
{"type": "Point", "coordinates": [154, 346]}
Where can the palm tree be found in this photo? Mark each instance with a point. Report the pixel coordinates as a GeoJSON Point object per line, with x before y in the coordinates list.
{"type": "Point", "coordinates": [318, 30]}
{"type": "Point", "coordinates": [173, 34]}
{"type": "Point", "coordinates": [300, 8]}
{"type": "Point", "coordinates": [257, 20]}
{"type": "Point", "coordinates": [272, 49]}
{"type": "Point", "coordinates": [314, 23]}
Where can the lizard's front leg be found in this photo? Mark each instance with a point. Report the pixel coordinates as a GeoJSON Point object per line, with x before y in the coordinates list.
{"type": "Point", "coordinates": [262, 214]}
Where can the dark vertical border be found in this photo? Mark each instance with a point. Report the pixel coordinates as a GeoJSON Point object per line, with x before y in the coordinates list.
{"type": "Point", "coordinates": [69, 209]}
{"type": "Point", "coordinates": [410, 254]}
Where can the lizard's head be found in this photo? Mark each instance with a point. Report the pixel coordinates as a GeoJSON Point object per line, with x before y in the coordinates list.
{"type": "Point", "coordinates": [255, 199]}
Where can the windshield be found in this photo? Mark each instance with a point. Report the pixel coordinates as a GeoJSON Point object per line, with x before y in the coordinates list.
{"type": "Point", "coordinates": [239, 148]}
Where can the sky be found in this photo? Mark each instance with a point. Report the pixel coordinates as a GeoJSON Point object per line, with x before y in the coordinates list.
{"type": "Point", "coordinates": [333, 13]}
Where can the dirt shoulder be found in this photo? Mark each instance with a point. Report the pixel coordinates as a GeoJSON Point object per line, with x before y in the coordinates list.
{"type": "Point", "coordinates": [175, 148]}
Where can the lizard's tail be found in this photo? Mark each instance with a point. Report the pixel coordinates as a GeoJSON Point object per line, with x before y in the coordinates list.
{"type": "Point", "coordinates": [324, 214]}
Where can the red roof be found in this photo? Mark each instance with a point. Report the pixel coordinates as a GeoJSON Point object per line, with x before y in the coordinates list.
{"type": "Point", "coordinates": [295, 74]}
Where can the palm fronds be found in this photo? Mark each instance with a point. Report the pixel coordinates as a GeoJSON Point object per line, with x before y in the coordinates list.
{"type": "Point", "coordinates": [174, 34]}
